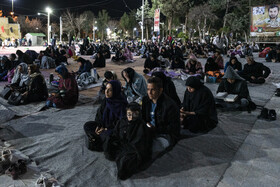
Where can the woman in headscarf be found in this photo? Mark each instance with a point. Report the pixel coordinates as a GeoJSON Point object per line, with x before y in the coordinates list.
{"type": "Point", "coordinates": [85, 66]}
{"type": "Point", "coordinates": [128, 55]}
{"type": "Point", "coordinates": [37, 89]}
{"type": "Point", "coordinates": [232, 83]}
{"type": "Point", "coordinates": [68, 92]}
{"type": "Point", "coordinates": [112, 108]}
{"type": "Point", "coordinates": [5, 66]}
{"type": "Point", "coordinates": [198, 112]}
{"type": "Point", "coordinates": [150, 63]}
{"type": "Point", "coordinates": [177, 63]}
{"type": "Point", "coordinates": [21, 78]}
{"type": "Point", "coordinates": [211, 65]}
{"type": "Point", "coordinates": [234, 63]}
{"type": "Point", "coordinates": [194, 67]}
{"type": "Point", "coordinates": [135, 85]}
{"type": "Point", "coordinates": [100, 61]}
{"type": "Point", "coordinates": [168, 86]}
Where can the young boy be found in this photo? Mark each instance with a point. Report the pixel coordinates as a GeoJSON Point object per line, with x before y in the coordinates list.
{"type": "Point", "coordinates": [130, 144]}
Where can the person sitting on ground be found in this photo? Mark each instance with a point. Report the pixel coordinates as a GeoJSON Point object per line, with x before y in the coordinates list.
{"type": "Point", "coordinates": [135, 85]}
{"type": "Point", "coordinates": [61, 58]}
{"type": "Point", "coordinates": [119, 55]}
{"type": "Point", "coordinates": [108, 76]}
{"type": "Point", "coordinates": [84, 66]}
{"type": "Point", "coordinates": [162, 116]}
{"type": "Point", "coordinates": [271, 56]}
{"type": "Point", "coordinates": [20, 80]}
{"type": "Point", "coordinates": [198, 112]}
{"type": "Point", "coordinates": [164, 53]}
{"type": "Point", "coordinates": [219, 60]}
{"type": "Point", "coordinates": [234, 63]}
{"type": "Point", "coordinates": [5, 66]}
{"type": "Point", "coordinates": [130, 144]}
{"type": "Point", "coordinates": [177, 63]}
{"type": "Point", "coordinates": [128, 55]}
{"type": "Point", "coordinates": [100, 61]}
{"type": "Point", "coordinates": [247, 51]}
{"type": "Point", "coordinates": [168, 87]}
{"type": "Point", "coordinates": [211, 65]}
{"type": "Point", "coordinates": [254, 72]}
{"type": "Point", "coordinates": [13, 60]}
{"type": "Point", "coordinates": [150, 63]}
{"type": "Point", "coordinates": [194, 67]}
{"type": "Point", "coordinates": [112, 109]}
{"type": "Point", "coordinates": [232, 83]}
{"type": "Point", "coordinates": [37, 89]}
{"type": "Point", "coordinates": [68, 92]}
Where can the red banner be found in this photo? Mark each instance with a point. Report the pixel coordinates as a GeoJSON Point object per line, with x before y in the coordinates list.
{"type": "Point", "coordinates": [2, 28]}
{"type": "Point", "coordinates": [157, 20]}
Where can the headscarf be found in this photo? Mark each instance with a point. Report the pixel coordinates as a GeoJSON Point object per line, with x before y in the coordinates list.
{"type": "Point", "coordinates": [194, 82]}
{"type": "Point", "coordinates": [62, 70]}
{"type": "Point", "coordinates": [23, 76]}
{"type": "Point", "coordinates": [130, 73]}
{"type": "Point", "coordinates": [115, 106]}
{"type": "Point", "coordinates": [231, 74]}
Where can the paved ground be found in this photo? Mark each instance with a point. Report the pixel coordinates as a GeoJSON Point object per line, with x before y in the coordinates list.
{"type": "Point", "coordinates": [255, 161]}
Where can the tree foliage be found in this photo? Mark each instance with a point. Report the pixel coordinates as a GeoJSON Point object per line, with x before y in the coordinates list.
{"type": "Point", "coordinates": [102, 22]}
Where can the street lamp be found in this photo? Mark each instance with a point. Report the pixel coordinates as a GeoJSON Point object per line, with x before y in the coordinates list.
{"type": "Point", "coordinates": [12, 7]}
{"type": "Point", "coordinates": [133, 32]}
{"type": "Point", "coordinates": [49, 11]}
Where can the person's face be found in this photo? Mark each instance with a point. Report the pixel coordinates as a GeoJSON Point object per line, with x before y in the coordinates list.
{"type": "Point", "coordinates": [29, 71]}
{"type": "Point", "coordinates": [249, 61]}
{"type": "Point", "coordinates": [233, 61]}
{"type": "Point", "coordinates": [125, 74]}
{"type": "Point", "coordinates": [231, 81]}
{"type": "Point", "coordinates": [109, 91]}
{"type": "Point", "coordinates": [190, 89]}
{"type": "Point", "coordinates": [20, 69]}
{"type": "Point", "coordinates": [11, 58]}
{"type": "Point", "coordinates": [153, 91]}
{"type": "Point", "coordinates": [273, 13]}
{"type": "Point", "coordinates": [132, 115]}
{"type": "Point", "coordinates": [216, 54]}
{"type": "Point", "coordinates": [80, 63]}
{"type": "Point", "coordinates": [98, 55]}
{"type": "Point", "coordinates": [152, 59]}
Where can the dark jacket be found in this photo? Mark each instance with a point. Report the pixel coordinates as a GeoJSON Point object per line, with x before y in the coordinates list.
{"type": "Point", "coordinates": [134, 135]}
{"type": "Point", "coordinates": [149, 64]}
{"type": "Point", "coordinates": [86, 67]}
{"type": "Point", "coordinates": [37, 90]}
{"type": "Point", "coordinates": [256, 69]}
{"type": "Point", "coordinates": [202, 102]}
{"type": "Point", "coordinates": [167, 116]}
{"type": "Point", "coordinates": [179, 65]}
{"type": "Point", "coordinates": [239, 87]}
{"type": "Point", "coordinates": [99, 62]}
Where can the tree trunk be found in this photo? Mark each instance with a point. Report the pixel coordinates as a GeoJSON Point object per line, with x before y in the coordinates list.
{"type": "Point", "coordinates": [246, 39]}
{"type": "Point", "coordinates": [204, 28]}
{"type": "Point", "coordinates": [169, 25]}
{"type": "Point", "coordinates": [186, 22]}
{"type": "Point", "coordinates": [147, 32]}
{"type": "Point", "coordinates": [200, 34]}
{"type": "Point", "coordinates": [224, 24]}
{"type": "Point", "coordinates": [102, 35]}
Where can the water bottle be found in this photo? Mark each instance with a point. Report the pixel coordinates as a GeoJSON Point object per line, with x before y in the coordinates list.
{"type": "Point", "coordinates": [51, 78]}
{"type": "Point", "coordinates": [95, 74]}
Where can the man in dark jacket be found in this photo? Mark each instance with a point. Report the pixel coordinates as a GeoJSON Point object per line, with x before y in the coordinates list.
{"type": "Point", "coordinates": [162, 116]}
{"type": "Point", "coordinates": [254, 72]}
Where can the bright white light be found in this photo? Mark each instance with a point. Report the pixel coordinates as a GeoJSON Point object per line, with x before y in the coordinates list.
{"type": "Point", "coordinates": [48, 10]}
{"type": "Point", "coordinates": [39, 14]}
{"type": "Point", "coordinates": [108, 30]}
{"type": "Point", "coordinates": [95, 28]}
{"type": "Point", "coordinates": [135, 29]}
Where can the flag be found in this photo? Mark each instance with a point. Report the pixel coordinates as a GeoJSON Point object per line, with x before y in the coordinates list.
{"type": "Point", "coordinates": [2, 27]}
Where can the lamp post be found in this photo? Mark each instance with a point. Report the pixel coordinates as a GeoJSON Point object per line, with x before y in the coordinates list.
{"type": "Point", "coordinates": [13, 6]}
{"type": "Point", "coordinates": [49, 11]}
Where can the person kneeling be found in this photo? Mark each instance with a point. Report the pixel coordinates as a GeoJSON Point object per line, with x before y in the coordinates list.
{"type": "Point", "coordinates": [233, 84]}
{"type": "Point", "coordinates": [198, 112]}
{"type": "Point", "coordinates": [130, 143]}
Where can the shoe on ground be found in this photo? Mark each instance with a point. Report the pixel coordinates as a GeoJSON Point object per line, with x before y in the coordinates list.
{"type": "Point", "coordinates": [272, 115]}
{"type": "Point", "coordinates": [264, 114]}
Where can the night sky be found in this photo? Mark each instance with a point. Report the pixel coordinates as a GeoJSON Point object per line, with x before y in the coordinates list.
{"type": "Point", "coordinates": [116, 8]}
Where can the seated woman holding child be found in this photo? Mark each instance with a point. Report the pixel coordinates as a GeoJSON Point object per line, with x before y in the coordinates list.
{"type": "Point", "coordinates": [112, 108]}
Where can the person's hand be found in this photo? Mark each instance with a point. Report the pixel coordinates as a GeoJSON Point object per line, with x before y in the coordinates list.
{"type": "Point", "coordinates": [53, 94]}
{"type": "Point", "coordinates": [260, 78]}
{"type": "Point", "coordinates": [191, 73]}
{"type": "Point", "coordinates": [98, 130]}
{"type": "Point", "coordinates": [24, 94]}
{"type": "Point", "coordinates": [253, 78]}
